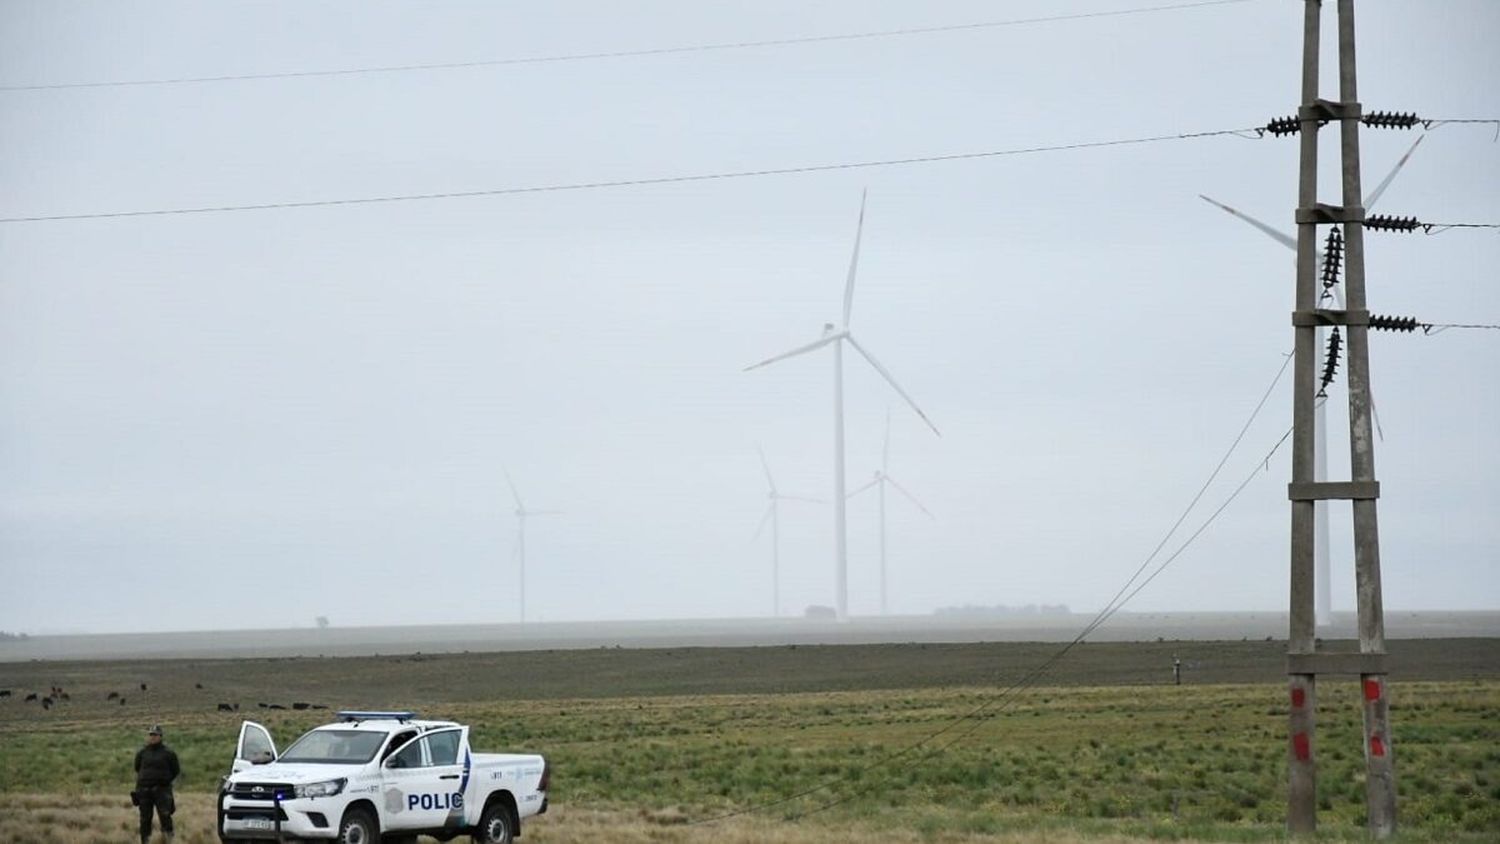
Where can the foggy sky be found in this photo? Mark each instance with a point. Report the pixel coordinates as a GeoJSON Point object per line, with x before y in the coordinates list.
{"type": "Point", "coordinates": [251, 419]}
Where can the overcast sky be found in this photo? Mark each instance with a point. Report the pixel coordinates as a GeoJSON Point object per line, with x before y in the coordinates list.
{"type": "Point", "coordinates": [250, 419]}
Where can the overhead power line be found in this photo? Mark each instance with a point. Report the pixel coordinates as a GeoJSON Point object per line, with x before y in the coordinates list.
{"type": "Point", "coordinates": [1440, 327]}
{"type": "Point", "coordinates": [1250, 132]}
{"type": "Point", "coordinates": [620, 54]}
{"type": "Point", "coordinates": [620, 183]}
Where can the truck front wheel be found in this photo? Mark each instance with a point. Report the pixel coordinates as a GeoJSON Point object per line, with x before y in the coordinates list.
{"type": "Point", "coordinates": [496, 825]}
{"type": "Point", "coordinates": [358, 827]}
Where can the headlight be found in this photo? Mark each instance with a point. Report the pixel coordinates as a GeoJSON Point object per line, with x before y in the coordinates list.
{"type": "Point", "coordinates": [327, 788]}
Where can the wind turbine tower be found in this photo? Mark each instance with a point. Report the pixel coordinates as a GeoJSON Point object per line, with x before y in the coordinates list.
{"type": "Point", "coordinates": [522, 514]}
{"type": "Point", "coordinates": [837, 337]}
{"type": "Point", "coordinates": [1323, 577]}
{"type": "Point", "coordinates": [881, 481]}
{"type": "Point", "coordinates": [773, 515]}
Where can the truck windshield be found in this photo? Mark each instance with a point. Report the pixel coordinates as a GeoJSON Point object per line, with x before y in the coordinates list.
{"type": "Point", "coordinates": [336, 747]}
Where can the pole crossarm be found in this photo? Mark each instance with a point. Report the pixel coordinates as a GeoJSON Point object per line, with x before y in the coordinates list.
{"type": "Point", "coordinates": [1322, 214]}
{"type": "Point", "coordinates": [1318, 317]}
{"type": "Point", "coordinates": [1336, 663]}
{"type": "Point", "coordinates": [1324, 111]}
{"type": "Point", "coordinates": [1333, 491]}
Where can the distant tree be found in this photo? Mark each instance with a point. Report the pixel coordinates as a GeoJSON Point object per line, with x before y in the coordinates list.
{"type": "Point", "coordinates": [322, 622]}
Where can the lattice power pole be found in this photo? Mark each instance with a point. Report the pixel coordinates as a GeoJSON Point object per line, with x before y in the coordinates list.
{"type": "Point", "coordinates": [1304, 661]}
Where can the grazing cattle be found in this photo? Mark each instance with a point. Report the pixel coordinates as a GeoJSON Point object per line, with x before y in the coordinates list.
{"type": "Point", "coordinates": [4, 692]}
{"type": "Point", "coordinates": [300, 706]}
{"type": "Point", "coordinates": [65, 696]}
{"type": "Point", "coordinates": [122, 700]}
{"type": "Point", "coordinates": [276, 706]}
{"type": "Point", "coordinates": [31, 697]}
{"type": "Point", "coordinates": [112, 696]}
{"type": "Point", "coordinates": [143, 687]}
{"type": "Point", "coordinates": [47, 703]}
{"type": "Point", "coordinates": [263, 705]}
{"type": "Point", "coordinates": [197, 685]}
{"type": "Point", "coordinates": [224, 707]}
{"type": "Point", "coordinates": [319, 706]}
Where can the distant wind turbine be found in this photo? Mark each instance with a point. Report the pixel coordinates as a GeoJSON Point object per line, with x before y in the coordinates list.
{"type": "Point", "coordinates": [521, 515]}
{"type": "Point", "coordinates": [1324, 575]}
{"type": "Point", "coordinates": [837, 336]}
{"type": "Point", "coordinates": [773, 515]}
{"type": "Point", "coordinates": [881, 480]}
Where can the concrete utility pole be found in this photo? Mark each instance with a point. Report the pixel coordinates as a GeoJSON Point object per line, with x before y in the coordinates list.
{"type": "Point", "coordinates": [1304, 661]}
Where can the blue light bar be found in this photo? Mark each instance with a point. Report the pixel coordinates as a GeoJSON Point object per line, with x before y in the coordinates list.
{"type": "Point", "coordinates": [374, 715]}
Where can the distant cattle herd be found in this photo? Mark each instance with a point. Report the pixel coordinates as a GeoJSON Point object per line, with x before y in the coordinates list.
{"type": "Point", "coordinates": [57, 695]}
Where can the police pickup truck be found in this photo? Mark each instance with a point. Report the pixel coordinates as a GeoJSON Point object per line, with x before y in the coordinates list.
{"type": "Point", "coordinates": [377, 776]}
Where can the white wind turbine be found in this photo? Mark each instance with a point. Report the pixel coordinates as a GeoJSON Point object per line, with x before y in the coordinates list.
{"type": "Point", "coordinates": [521, 515]}
{"type": "Point", "coordinates": [881, 480]}
{"type": "Point", "coordinates": [773, 515]}
{"type": "Point", "coordinates": [1322, 567]}
{"type": "Point", "coordinates": [836, 337]}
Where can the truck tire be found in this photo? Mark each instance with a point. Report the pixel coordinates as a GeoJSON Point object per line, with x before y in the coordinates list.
{"type": "Point", "coordinates": [496, 826]}
{"type": "Point", "coordinates": [359, 827]}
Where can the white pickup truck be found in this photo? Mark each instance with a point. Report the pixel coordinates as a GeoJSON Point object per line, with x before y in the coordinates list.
{"type": "Point", "coordinates": [377, 776]}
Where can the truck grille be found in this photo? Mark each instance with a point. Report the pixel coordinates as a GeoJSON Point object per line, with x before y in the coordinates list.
{"type": "Point", "coordinates": [261, 790]}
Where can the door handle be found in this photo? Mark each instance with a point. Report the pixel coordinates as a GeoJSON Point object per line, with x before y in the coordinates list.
{"type": "Point", "coordinates": [448, 777]}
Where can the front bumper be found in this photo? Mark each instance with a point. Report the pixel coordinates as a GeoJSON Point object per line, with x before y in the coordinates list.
{"type": "Point", "coordinates": [305, 818]}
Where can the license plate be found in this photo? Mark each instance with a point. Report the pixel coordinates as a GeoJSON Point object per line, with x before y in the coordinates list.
{"type": "Point", "coordinates": [258, 823]}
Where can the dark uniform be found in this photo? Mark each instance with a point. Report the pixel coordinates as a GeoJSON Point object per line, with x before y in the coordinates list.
{"type": "Point", "coordinates": [155, 769]}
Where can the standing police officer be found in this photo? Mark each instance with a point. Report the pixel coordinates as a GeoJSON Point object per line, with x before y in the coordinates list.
{"type": "Point", "coordinates": [155, 769]}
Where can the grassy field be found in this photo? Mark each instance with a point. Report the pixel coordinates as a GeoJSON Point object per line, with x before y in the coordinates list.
{"type": "Point", "coordinates": [818, 743]}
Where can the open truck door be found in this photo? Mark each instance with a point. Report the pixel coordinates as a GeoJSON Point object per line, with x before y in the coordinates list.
{"type": "Point", "coordinates": [255, 747]}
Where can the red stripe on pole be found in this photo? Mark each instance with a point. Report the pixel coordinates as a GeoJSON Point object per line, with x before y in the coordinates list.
{"type": "Point", "coordinates": [1301, 747]}
{"type": "Point", "coordinates": [1372, 690]}
{"type": "Point", "coordinates": [1377, 747]}
{"type": "Point", "coordinates": [1299, 698]}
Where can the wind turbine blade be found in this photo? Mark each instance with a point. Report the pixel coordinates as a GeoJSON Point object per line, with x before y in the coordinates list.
{"type": "Point", "coordinates": [1374, 196]}
{"type": "Point", "coordinates": [513, 492]}
{"type": "Point", "coordinates": [892, 381]}
{"type": "Point", "coordinates": [859, 231]}
{"type": "Point", "coordinates": [901, 489]}
{"type": "Point", "coordinates": [801, 498]}
{"type": "Point", "coordinates": [764, 465]}
{"type": "Point", "coordinates": [763, 519]}
{"type": "Point", "coordinates": [885, 452]}
{"type": "Point", "coordinates": [1280, 237]}
{"type": "Point", "coordinates": [862, 489]}
{"type": "Point", "coordinates": [800, 350]}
